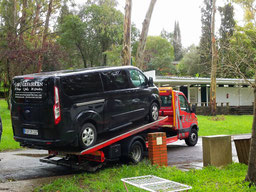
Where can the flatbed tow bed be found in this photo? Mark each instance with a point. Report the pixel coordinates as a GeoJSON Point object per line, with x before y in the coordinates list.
{"type": "Point", "coordinates": [83, 159]}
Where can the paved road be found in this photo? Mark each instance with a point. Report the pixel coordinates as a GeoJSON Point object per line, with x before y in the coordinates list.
{"type": "Point", "coordinates": [25, 164]}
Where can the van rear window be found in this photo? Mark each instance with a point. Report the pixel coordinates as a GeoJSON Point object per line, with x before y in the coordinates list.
{"type": "Point", "coordinates": [81, 84]}
{"type": "Point", "coordinates": [29, 90]}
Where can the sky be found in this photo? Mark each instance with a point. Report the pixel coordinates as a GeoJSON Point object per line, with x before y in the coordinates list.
{"type": "Point", "coordinates": [166, 12]}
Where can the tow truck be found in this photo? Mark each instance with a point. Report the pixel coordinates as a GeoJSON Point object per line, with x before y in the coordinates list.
{"type": "Point", "coordinates": [177, 120]}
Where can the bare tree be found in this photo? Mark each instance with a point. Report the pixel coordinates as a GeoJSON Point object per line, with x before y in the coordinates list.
{"type": "Point", "coordinates": [143, 36]}
{"type": "Point", "coordinates": [126, 54]}
{"type": "Point", "coordinates": [241, 62]}
{"type": "Point", "coordinates": [214, 62]}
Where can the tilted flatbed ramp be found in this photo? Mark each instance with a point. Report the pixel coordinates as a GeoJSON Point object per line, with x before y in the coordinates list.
{"type": "Point", "coordinates": [111, 137]}
{"type": "Point", "coordinates": [126, 132]}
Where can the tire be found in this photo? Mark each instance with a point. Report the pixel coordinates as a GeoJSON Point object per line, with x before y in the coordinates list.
{"type": "Point", "coordinates": [87, 136]}
{"type": "Point", "coordinates": [192, 138]}
{"type": "Point", "coordinates": [136, 152]}
{"type": "Point", "coordinates": [153, 112]}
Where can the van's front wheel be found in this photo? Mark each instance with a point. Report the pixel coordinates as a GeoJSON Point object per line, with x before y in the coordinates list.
{"type": "Point", "coordinates": [87, 136]}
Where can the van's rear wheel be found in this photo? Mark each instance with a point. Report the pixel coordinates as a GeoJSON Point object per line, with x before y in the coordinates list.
{"type": "Point", "coordinates": [87, 136]}
{"type": "Point", "coordinates": [136, 152]}
{"type": "Point", "coordinates": [153, 112]}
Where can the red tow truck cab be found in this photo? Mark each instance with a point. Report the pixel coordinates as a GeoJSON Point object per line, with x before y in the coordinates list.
{"type": "Point", "coordinates": [181, 118]}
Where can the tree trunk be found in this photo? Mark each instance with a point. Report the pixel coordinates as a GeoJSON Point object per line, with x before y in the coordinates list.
{"type": "Point", "coordinates": [127, 33]}
{"type": "Point", "coordinates": [82, 54]}
{"type": "Point", "coordinates": [143, 35]}
{"type": "Point", "coordinates": [36, 19]}
{"type": "Point", "coordinates": [23, 18]}
{"type": "Point", "coordinates": [214, 63]}
{"type": "Point", "coordinates": [251, 173]}
{"type": "Point", "coordinates": [45, 33]}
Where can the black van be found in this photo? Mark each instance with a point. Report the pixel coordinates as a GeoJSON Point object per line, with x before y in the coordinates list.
{"type": "Point", "coordinates": [72, 107]}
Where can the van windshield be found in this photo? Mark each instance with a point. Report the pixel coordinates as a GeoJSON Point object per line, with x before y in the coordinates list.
{"type": "Point", "coordinates": [29, 90]}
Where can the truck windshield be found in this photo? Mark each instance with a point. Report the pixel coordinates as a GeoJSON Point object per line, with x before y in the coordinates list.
{"type": "Point", "coordinates": [166, 100]}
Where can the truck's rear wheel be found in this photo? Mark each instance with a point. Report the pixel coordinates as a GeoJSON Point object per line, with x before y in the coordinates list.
{"type": "Point", "coordinates": [192, 138]}
{"type": "Point", "coordinates": [153, 112]}
{"type": "Point", "coordinates": [136, 152]}
{"type": "Point", "coordinates": [87, 136]}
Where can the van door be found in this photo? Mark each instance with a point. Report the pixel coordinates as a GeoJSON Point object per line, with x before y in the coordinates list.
{"type": "Point", "coordinates": [184, 115]}
{"type": "Point", "coordinates": [141, 94]}
{"type": "Point", "coordinates": [118, 98]}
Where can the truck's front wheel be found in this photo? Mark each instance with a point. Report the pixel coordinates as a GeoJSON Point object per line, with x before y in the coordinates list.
{"type": "Point", "coordinates": [192, 138]}
{"type": "Point", "coordinates": [136, 152]}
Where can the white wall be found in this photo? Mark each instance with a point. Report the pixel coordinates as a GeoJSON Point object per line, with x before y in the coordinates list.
{"type": "Point", "coordinates": [236, 96]}
{"type": "Point", "coordinates": [247, 96]}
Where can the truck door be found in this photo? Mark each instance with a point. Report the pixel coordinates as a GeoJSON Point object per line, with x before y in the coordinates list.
{"type": "Point", "coordinates": [183, 115]}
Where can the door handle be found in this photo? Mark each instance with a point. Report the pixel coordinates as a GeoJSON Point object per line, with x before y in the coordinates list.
{"type": "Point", "coordinates": [181, 117]}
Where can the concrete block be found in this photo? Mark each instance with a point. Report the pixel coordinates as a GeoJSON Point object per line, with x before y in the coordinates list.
{"type": "Point", "coordinates": [217, 150]}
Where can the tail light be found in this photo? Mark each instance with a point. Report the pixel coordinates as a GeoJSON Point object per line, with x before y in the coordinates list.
{"type": "Point", "coordinates": [56, 106]}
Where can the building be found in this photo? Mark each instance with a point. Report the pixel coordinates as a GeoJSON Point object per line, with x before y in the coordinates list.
{"type": "Point", "coordinates": [232, 92]}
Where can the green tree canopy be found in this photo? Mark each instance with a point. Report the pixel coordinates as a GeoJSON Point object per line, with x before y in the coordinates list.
{"type": "Point", "coordinates": [159, 54]}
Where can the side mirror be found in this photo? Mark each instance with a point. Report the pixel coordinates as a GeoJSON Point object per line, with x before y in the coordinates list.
{"type": "Point", "coordinates": [193, 108]}
{"type": "Point", "coordinates": [150, 82]}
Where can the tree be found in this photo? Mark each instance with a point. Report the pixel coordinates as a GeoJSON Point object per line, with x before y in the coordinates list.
{"type": "Point", "coordinates": [21, 31]}
{"type": "Point", "coordinates": [190, 63]}
{"type": "Point", "coordinates": [143, 35]}
{"type": "Point", "coordinates": [127, 34]}
{"type": "Point", "coordinates": [76, 35]}
{"type": "Point", "coordinates": [177, 42]}
{"type": "Point", "coordinates": [205, 40]}
{"type": "Point", "coordinates": [159, 54]}
{"type": "Point", "coordinates": [226, 32]}
{"type": "Point", "coordinates": [242, 62]}
{"type": "Point", "coordinates": [168, 36]}
{"type": "Point", "coordinates": [214, 62]}
{"type": "Point", "coordinates": [106, 22]}
{"type": "Point", "coordinates": [249, 8]}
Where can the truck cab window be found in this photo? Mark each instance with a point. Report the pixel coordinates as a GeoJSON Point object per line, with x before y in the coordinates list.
{"type": "Point", "coordinates": [183, 104]}
{"type": "Point", "coordinates": [137, 78]}
{"type": "Point", "coordinates": [166, 101]}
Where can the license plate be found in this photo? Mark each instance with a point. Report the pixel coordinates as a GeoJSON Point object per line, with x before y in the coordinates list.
{"type": "Point", "coordinates": [30, 131]}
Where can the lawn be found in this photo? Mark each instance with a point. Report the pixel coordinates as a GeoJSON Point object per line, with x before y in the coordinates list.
{"type": "Point", "coordinates": [228, 125]}
{"type": "Point", "coordinates": [225, 125]}
{"type": "Point", "coordinates": [229, 178]}
{"type": "Point", "coordinates": [7, 141]}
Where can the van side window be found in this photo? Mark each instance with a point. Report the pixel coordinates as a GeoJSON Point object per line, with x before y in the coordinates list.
{"type": "Point", "coordinates": [81, 84]}
{"type": "Point", "coordinates": [137, 78]}
{"type": "Point", "coordinates": [183, 104]}
{"type": "Point", "coordinates": [113, 80]}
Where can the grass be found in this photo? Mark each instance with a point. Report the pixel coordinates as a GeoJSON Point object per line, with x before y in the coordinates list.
{"type": "Point", "coordinates": [229, 178]}
{"type": "Point", "coordinates": [225, 125]}
{"type": "Point", "coordinates": [7, 141]}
